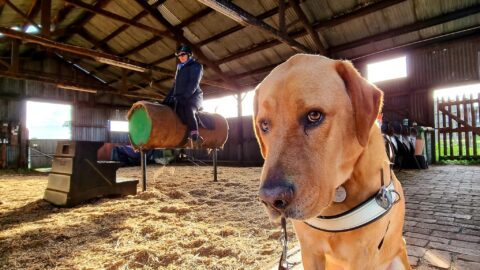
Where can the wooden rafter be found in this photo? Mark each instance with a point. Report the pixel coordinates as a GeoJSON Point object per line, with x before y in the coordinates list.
{"type": "Point", "coordinates": [15, 58]}
{"type": "Point", "coordinates": [155, 39]}
{"type": "Point", "coordinates": [150, 82]}
{"type": "Point", "coordinates": [356, 13]}
{"type": "Point", "coordinates": [2, 4]}
{"type": "Point", "coordinates": [409, 28]}
{"type": "Point", "coordinates": [236, 28]}
{"type": "Point", "coordinates": [467, 32]}
{"type": "Point", "coordinates": [46, 17]}
{"type": "Point", "coordinates": [239, 15]}
{"type": "Point", "coordinates": [119, 18]}
{"type": "Point", "coordinates": [23, 15]}
{"type": "Point", "coordinates": [98, 56]}
{"type": "Point", "coordinates": [5, 64]}
{"type": "Point", "coordinates": [65, 33]}
{"type": "Point", "coordinates": [72, 85]}
{"type": "Point", "coordinates": [182, 39]}
{"type": "Point", "coordinates": [32, 12]}
{"type": "Point", "coordinates": [281, 16]}
{"type": "Point", "coordinates": [187, 21]}
{"type": "Point", "coordinates": [62, 14]}
{"type": "Point", "coordinates": [124, 78]}
{"type": "Point", "coordinates": [472, 31]}
{"type": "Point", "coordinates": [308, 27]}
{"type": "Point", "coordinates": [124, 27]}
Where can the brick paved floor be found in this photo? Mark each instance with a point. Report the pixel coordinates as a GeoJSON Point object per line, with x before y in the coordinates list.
{"type": "Point", "coordinates": [442, 224]}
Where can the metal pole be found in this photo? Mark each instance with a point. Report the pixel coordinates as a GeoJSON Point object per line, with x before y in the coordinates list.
{"type": "Point", "coordinates": [215, 151]}
{"type": "Point", "coordinates": [143, 165]}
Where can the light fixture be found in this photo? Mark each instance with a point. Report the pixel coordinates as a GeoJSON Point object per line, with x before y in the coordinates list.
{"type": "Point", "coordinates": [120, 64]}
{"type": "Point", "coordinates": [77, 88]}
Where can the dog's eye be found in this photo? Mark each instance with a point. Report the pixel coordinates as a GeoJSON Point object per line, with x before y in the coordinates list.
{"type": "Point", "coordinates": [311, 120]}
{"type": "Point", "coordinates": [314, 116]}
{"type": "Point", "coordinates": [264, 126]}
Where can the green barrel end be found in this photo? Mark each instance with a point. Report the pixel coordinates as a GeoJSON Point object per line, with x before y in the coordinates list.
{"type": "Point", "coordinates": [139, 127]}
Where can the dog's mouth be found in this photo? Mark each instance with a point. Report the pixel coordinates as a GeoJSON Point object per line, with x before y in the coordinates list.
{"type": "Point", "coordinates": [289, 213]}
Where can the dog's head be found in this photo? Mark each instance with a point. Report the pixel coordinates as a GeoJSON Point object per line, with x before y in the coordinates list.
{"type": "Point", "coordinates": [312, 119]}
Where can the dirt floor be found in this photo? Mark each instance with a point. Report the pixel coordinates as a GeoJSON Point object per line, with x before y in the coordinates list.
{"type": "Point", "coordinates": [183, 221]}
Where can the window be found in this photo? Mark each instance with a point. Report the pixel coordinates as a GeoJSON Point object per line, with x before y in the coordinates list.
{"type": "Point", "coordinates": [227, 106]}
{"type": "Point", "coordinates": [387, 70]}
{"type": "Point", "coordinates": [119, 126]}
{"type": "Point", "coordinates": [49, 120]}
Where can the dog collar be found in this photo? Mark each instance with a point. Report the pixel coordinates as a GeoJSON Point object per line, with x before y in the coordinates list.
{"type": "Point", "coordinates": [363, 214]}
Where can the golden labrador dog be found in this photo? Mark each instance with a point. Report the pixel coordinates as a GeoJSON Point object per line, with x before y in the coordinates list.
{"type": "Point", "coordinates": [326, 168]}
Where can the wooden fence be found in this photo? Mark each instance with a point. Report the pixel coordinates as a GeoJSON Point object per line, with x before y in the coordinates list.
{"type": "Point", "coordinates": [458, 123]}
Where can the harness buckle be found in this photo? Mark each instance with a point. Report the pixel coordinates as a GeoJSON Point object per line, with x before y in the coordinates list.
{"type": "Point", "coordinates": [384, 198]}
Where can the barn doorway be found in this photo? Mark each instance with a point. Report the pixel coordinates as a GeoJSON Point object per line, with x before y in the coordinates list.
{"type": "Point", "coordinates": [457, 123]}
{"type": "Point", "coordinates": [46, 123]}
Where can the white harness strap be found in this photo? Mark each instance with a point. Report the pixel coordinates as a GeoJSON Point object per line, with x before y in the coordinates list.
{"type": "Point", "coordinates": [361, 215]}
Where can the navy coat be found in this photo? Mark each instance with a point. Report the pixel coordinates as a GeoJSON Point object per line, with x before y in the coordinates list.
{"type": "Point", "coordinates": [186, 88]}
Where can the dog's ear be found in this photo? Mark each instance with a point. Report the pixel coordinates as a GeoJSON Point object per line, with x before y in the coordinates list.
{"type": "Point", "coordinates": [255, 126]}
{"type": "Point", "coordinates": [366, 99]}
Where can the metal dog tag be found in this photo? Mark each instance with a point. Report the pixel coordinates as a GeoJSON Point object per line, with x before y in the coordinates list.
{"type": "Point", "coordinates": [340, 194]}
{"type": "Point", "coordinates": [384, 198]}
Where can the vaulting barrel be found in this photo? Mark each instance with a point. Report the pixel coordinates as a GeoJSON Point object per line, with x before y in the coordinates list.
{"type": "Point", "coordinates": [153, 125]}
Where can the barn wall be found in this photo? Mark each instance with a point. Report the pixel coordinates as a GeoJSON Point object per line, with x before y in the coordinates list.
{"type": "Point", "coordinates": [91, 113]}
{"type": "Point", "coordinates": [431, 67]}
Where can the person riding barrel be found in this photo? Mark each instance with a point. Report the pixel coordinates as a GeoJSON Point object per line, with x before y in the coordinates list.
{"type": "Point", "coordinates": [185, 96]}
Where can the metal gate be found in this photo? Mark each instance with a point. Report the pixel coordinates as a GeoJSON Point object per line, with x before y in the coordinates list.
{"type": "Point", "coordinates": [41, 152]}
{"type": "Point", "coordinates": [458, 123]}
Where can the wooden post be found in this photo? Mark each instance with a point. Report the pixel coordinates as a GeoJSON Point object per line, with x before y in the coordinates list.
{"type": "Point", "coordinates": [46, 17]}
{"type": "Point", "coordinates": [143, 165]}
{"type": "Point", "coordinates": [15, 58]}
{"type": "Point", "coordinates": [240, 128]}
{"type": "Point", "coordinates": [215, 153]}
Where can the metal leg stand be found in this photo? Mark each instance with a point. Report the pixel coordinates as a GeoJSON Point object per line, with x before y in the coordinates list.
{"type": "Point", "coordinates": [215, 151]}
{"type": "Point", "coordinates": [143, 164]}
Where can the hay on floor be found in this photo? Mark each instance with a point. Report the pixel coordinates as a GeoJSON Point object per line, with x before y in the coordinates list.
{"type": "Point", "coordinates": [183, 221]}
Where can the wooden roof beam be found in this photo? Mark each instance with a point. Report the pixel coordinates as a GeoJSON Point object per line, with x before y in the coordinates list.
{"type": "Point", "coordinates": [307, 25]}
{"type": "Point", "coordinates": [119, 18]}
{"type": "Point", "coordinates": [54, 79]}
{"type": "Point", "coordinates": [409, 28]}
{"type": "Point", "coordinates": [358, 12]}
{"type": "Point", "coordinates": [62, 14]}
{"type": "Point", "coordinates": [151, 82]}
{"type": "Point", "coordinates": [98, 56]}
{"type": "Point", "coordinates": [32, 12]}
{"type": "Point", "coordinates": [23, 15]}
{"type": "Point", "coordinates": [239, 15]}
{"type": "Point", "coordinates": [2, 5]}
{"type": "Point", "coordinates": [66, 33]}
{"type": "Point", "coordinates": [154, 39]}
{"type": "Point", "coordinates": [207, 11]}
{"type": "Point", "coordinates": [89, 37]}
{"type": "Point", "coordinates": [463, 33]}
{"type": "Point", "coordinates": [440, 38]}
{"type": "Point", "coordinates": [46, 17]}
{"type": "Point", "coordinates": [124, 27]}
{"type": "Point", "coordinates": [181, 39]}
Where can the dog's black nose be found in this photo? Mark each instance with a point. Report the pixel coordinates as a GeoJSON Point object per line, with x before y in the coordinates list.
{"type": "Point", "coordinates": [277, 196]}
